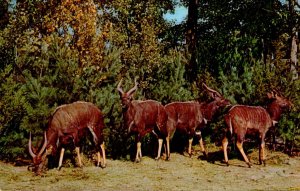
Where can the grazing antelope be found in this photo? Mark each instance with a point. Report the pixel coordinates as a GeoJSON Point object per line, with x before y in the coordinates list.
{"type": "Point", "coordinates": [142, 117]}
{"type": "Point", "coordinates": [67, 125]}
{"type": "Point", "coordinates": [243, 119]}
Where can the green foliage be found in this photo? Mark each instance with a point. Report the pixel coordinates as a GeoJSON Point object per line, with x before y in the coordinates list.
{"type": "Point", "coordinates": [11, 109]}
{"type": "Point", "coordinates": [170, 84]}
{"type": "Point", "coordinates": [238, 88]}
{"type": "Point", "coordinates": [289, 126]}
{"type": "Point", "coordinates": [52, 54]}
{"type": "Point", "coordinates": [52, 79]}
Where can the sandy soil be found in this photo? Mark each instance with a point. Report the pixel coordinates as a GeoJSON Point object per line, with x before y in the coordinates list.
{"type": "Point", "coordinates": [180, 173]}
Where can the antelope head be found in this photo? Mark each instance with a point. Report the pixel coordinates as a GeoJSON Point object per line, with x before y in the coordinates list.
{"type": "Point", "coordinates": [218, 98]}
{"type": "Point", "coordinates": [37, 158]}
{"type": "Point", "coordinates": [127, 97]}
{"type": "Point", "coordinates": [281, 101]}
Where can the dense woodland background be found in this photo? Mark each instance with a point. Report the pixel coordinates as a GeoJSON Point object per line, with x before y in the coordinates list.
{"type": "Point", "coordinates": [54, 52]}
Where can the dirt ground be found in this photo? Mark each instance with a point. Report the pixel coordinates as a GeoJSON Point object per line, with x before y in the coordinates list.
{"type": "Point", "coordinates": [180, 173]}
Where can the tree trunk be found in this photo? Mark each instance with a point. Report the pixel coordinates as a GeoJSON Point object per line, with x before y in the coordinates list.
{"type": "Point", "coordinates": [294, 57]}
{"type": "Point", "coordinates": [294, 34]}
{"type": "Point", "coordinates": [191, 39]}
{"type": "Point", "coordinates": [4, 16]}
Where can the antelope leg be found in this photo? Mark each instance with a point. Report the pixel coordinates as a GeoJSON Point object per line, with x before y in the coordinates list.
{"type": "Point", "coordinates": [160, 141]}
{"type": "Point", "coordinates": [165, 151]}
{"type": "Point", "coordinates": [61, 158]}
{"type": "Point", "coordinates": [168, 147]}
{"type": "Point", "coordinates": [262, 159]}
{"type": "Point", "coordinates": [138, 152]}
{"type": "Point", "coordinates": [190, 147]}
{"type": "Point", "coordinates": [240, 147]}
{"type": "Point", "coordinates": [79, 157]}
{"type": "Point", "coordinates": [103, 165]}
{"type": "Point", "coordinates": [202, 147]}
{"type": "Point", "coordinates": [224, 145]}
{"type": "Point", "coordinates": [98, 158]}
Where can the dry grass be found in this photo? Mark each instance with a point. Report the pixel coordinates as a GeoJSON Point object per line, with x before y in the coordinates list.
{"type": "Point", "coordinates": [180, 173]}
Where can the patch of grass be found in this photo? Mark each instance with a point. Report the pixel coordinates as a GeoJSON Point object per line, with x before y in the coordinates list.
{"type": "Point", "coordinates": [272, 158]}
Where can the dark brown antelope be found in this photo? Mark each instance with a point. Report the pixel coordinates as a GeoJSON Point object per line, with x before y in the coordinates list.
{"type": "Point", "coordinates": [191, 117]}
{"type": "Point", "coordinates": [66, 126]}
{"type": "Point", "coordinates": [243, 119]}
{"type": "Point", "coordinates": [142, 117]}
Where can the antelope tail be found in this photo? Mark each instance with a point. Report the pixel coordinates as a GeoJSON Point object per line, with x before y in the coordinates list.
{"type": "Point", "coordinates": [94, 135]}
{"type": "Point", "coordinates": [230, 126]}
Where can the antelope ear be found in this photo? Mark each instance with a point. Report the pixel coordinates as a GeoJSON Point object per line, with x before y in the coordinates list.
{"type": "Point", "coordinates": [120, 93]}
{"type": "Point", "coordinates": [212, 95]}
{"type": "Point", "coordinates": [270, 95]}
{"type": "Point", "coordinates": [131, 96]}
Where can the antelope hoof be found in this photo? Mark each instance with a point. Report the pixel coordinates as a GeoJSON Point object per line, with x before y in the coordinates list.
{"type": "Point", "coordinates": [204, 155]}
{"type": "Point", "coordinates": [262, 162]}
{"type": "Point", "coordinates": [190, 155]}
{"type": "Point", "coordinates": [249, 164]}
{"type": "Point", "coordinates": [99, 164]}
{"type": "Point", "coordinates": [59, 168]}
{"type": "Point", "coordinates": [137, 160]}
{"type": "Point", "coordinates": [157, 158]}
{"type": "Point", "coordinates": [226, 162]}
{"type": "Point", "coordinates": [30, 168]}
{"type": "Point", "coordinates": [103, 165]}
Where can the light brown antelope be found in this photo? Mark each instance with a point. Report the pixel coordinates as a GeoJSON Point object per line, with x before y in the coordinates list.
{"type": "Point", "coordinates": [243, 119]}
